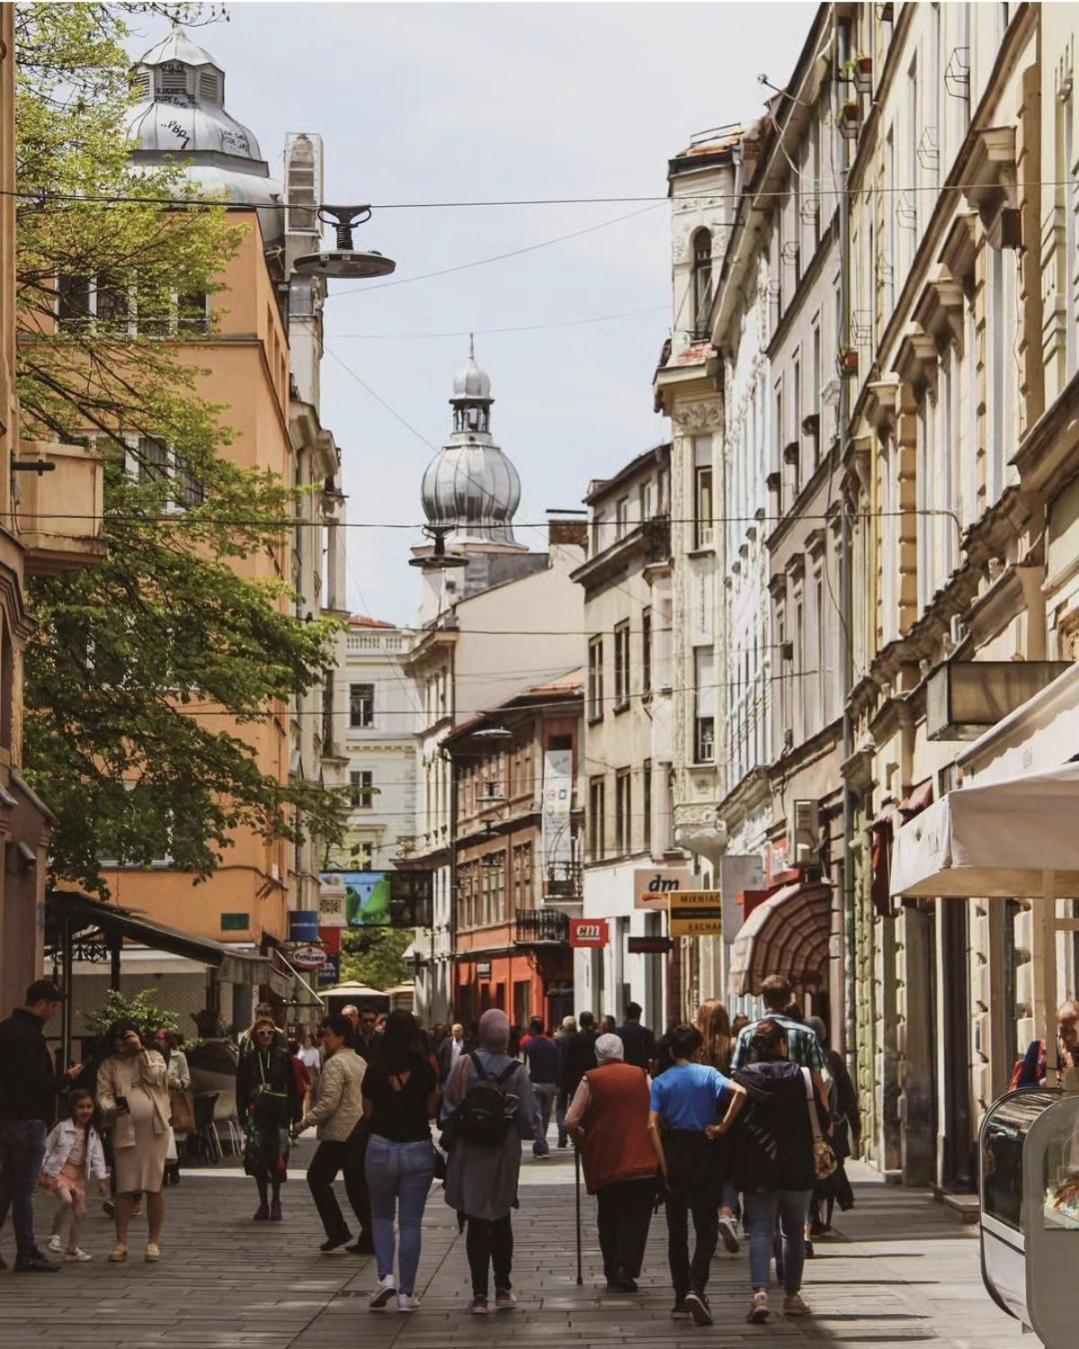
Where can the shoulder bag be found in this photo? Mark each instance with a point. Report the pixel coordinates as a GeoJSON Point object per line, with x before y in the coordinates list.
{"type": "Point", "coordinates": [825, 1162]}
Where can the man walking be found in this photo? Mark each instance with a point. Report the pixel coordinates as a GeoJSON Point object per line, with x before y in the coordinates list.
{"type": "Point", "coordinates": [28, 1087]}
{"type": "Point", "coordinates": [608, 1119]}
{"type": "Point", "coordinates": [561, 1035]}
{"type": "Point", "coordinates": [451, 1049]}
{"type": "Point", "coordinates": [803, 1047]}
{"type": "Point", "coordinates": [684, 1107]}
{"type": "Point", "coordinates": [541, 1055]}
{"type": "Point", "coordinates": [337, 1111]}
{"type": "Point", "coordinates": [578, 1056]}
{"type": "Point", "coordinates": [638, 1042]}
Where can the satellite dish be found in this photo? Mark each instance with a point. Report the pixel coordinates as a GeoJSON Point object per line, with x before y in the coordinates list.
{"type": "Point", "coordinates": [344, 260]}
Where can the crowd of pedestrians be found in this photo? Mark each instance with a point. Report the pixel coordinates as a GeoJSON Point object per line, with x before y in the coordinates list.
{"type": "Point", "coordinates": [737, 1132]}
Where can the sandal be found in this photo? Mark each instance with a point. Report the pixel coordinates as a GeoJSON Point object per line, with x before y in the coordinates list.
{"type": "Point", "coordinates": [153, 1252]}
{"type": "Point", "coordinates": [119, 1254]}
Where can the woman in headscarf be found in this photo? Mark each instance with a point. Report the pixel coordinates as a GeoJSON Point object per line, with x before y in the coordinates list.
{"type": "Point", "coordinates": [481, 1176]}
{"type": "Point", "coordinates": [267, 1101]}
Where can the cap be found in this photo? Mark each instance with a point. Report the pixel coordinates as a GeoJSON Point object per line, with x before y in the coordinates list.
{"type": "Point", "coordinates": [44, 990]}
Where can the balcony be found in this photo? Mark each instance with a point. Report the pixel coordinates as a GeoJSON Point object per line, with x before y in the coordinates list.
{"type": "Point", "coordinates": [563, 883]}
{"type": "Point", "coordinates": [74, 487]}
{"type": "Point", "coordinates": [543, 927]}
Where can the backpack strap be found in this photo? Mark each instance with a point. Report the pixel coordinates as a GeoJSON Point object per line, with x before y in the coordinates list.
{"type": "Point", "coordinates": [506, 1073]}
{"type": "Point", "coordinates": [811, 1102]}
{"type": "Point", "coordinates": [481, 1072]}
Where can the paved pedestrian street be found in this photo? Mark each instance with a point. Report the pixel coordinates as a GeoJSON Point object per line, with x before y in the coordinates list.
{"type": "Point", "coordinates": [902, 1272]}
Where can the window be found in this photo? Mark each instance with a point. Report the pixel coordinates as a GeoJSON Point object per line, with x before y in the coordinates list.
{"type": "Point", "coordinates": [598, 537]}
{"type": "Point", "coordinates": [646, 804]}
{"type": "Point", "coordinates": [595, 679]}
{"type": "Point", "coordinates": [153, 460]}
{"type": "Point", "coordinates": [623, 811]}
{"type": "Point", "coordinates": [621, 667]}
{"type": "Point", "coordinates": [702, 281]}
{"type": "Point", "coordinates": [816, 378]}
{"type": "Point", "coordinates": [703, 505]}
{"type": "Point", "coordinates": [597, 810]}
{"type": "Point", "coordinates": [361, 793]}
{"type": "Point", "coordinates": [361, 704]}
{"type": "Point", "coordinates": [822, 660]}
{"type": "Point", "coordinates": [188, 489]}
{"type": "Point", "coordinates": [704, 711]}
{"type": "Point", "coordinates": [646, 650]}
{"type": "Point", "coordinates": [621, 518]}
{"type": "Point", "coordinates": [235, 922]}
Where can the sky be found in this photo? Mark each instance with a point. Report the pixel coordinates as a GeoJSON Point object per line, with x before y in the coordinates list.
{"type": "Point", "coordinates": [425, 103]}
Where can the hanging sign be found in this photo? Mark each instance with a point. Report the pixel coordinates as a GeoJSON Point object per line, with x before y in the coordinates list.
{"type": "Point", "coordinates": [303, 925]}
{"type": "Point", "coordinates": [330, 972]}
{"type": "Point", "coordinates": [653, 887]}
{"type": "Point", "coordinates": [649, 946]}
{"type": "Point", "coordinates": [696, 913]}
{"type": "Point", "coordinates": [307, 957]}
{"type": "Point", "coordinates": [737, 874]}
{"type": "Point", "coordinates": [591, 932]}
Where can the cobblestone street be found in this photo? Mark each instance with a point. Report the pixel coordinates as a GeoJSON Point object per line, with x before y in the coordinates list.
{"type": "Point", "coordinates": [902, 1272]}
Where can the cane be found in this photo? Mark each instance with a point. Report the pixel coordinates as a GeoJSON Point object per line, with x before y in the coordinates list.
{"type": "Point", "coordinates": [577, 1186]}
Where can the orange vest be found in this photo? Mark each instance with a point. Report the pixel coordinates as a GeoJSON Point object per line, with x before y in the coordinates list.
{"type": "Point", "coordinates": [616, 1143]}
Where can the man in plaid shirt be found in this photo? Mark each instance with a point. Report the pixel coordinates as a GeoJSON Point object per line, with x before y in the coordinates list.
{"type": "Point", "coordinates": [803, 1047]}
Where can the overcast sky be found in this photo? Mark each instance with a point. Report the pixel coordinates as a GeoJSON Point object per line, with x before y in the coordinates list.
{"type": "Point", "coordinates": [437, 102]}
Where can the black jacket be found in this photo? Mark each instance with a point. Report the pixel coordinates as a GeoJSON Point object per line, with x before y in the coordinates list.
{"type": "Point", "coordinates": [578, 1056]}
{"type": "Point", "coordinates": [772, 1139]}
{"type": "Point", "coordinates": [28, 1077]}
{"type": "Point", "coordinates": [280, 1080]}
{"type": "Point", "coordinates": [638, 1044]}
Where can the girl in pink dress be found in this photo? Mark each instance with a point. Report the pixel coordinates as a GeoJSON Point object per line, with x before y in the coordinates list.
{"type": "Point", "coordinates": [73, 1153]}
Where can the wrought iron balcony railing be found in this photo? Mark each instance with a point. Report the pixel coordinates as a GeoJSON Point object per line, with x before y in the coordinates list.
{"type": "Point", "coordinates": [541, 927]}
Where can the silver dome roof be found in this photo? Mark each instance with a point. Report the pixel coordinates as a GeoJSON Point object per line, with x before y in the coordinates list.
{"type": "Point", "coordinates": [471, 382]}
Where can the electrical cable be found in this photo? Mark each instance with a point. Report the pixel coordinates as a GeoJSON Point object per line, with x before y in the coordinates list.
{"type": "Point", "coordinates": [522, 328]}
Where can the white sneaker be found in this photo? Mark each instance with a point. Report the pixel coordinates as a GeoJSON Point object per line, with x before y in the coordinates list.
{"type": "Point", "coordinates": [729, 1235]}
{"type": "Point", "coordinates": [407, 1302]}
{"type": "Point", "coordinates": [384, 1293]}
{"type": "Point", "coordinates": [55, 1245]}
{"type": "Point", "coordinates": [78, 1254]}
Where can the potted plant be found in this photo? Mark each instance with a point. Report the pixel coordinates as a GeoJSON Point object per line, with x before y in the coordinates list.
{"type": "Point", "coordinates": [862, 73]}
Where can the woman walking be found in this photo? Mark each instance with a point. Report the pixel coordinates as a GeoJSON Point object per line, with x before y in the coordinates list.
{"type": "Point", "coordinates": [481, 1176]}
{"type": "Point", "coordinates": [714, 1024]}
{"type": "Point", "coordinates": [133, 1094]}
{"type": "Point", "coordinates": [774, 1162]}
{"type": "Point", "coordinates": [400, 1098]}
{"type": "Point", "coordinates": [267, 1104]}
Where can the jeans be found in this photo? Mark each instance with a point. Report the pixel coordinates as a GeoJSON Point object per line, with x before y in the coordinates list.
{"type": "Point", "coordinates": [760, 1218]}
{"type": "Point", "coordinates": [560, 1119]}
{"type": "Point", "coordinates": [329, 1159]}
{"type": "Point", "coordinates": [544, 1095]}
{"type": "Point", "coordinates": [489, 1243]}
{"type": "Point", "coordinates": [691, 1188]}
{"type": "Point", "coordinates": [22, 1150]}
{"type": "Point", "coordinates": [399, 1176]}
{"type": "Point", "coordinates": [623, 1216]}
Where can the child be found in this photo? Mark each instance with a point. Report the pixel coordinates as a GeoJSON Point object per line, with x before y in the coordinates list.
{"type": "Point", "coordinates": [73, 1152]}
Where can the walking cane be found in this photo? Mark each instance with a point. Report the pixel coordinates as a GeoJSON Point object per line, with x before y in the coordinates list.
{"type": "Point", "coordinates": [577, 1186]}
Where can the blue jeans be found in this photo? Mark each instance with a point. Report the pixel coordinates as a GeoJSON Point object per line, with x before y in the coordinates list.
{"type": "Point", "coordinates": [760, 1217]}
{"type": "Point", "coordinates": [22, 1150]}
{"type": "Point", "coordinates": [560, 1119]}
{"type": "Point", "coordinates": [399, 1176]}
{"type": "Point", "coordinates": [544, 1094]}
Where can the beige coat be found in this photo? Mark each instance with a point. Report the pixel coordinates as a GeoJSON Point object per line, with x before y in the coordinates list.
{"type": "Point", "coordinates": [339, 1106]}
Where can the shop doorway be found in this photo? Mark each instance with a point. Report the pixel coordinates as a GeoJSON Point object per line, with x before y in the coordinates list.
{"type": "Point", "coordinates": [957, 1145]}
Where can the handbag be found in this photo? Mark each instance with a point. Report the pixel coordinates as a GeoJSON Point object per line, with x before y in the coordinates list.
{"type": "Point", "coordinates": [825, 1162]}
{"type": "Point", "coordinates": [170, 1147]}
{"type": "Point", "coordinates": [183, 1112]}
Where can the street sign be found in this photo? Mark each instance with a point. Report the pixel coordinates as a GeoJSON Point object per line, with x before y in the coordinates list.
{"type": "Point", "coordinates": [652, 887]}
{"type": "Point", "coordinates": [696, 913]}
{"type": "Point", "coordinates": [649, 946]}
{"type": "Point", "coordinates": [306, 957]}
{"type": "Point", "coordinates": [329, 973]}
{"type": "Point", "coordinates": [592, 932]}
{"type": "Point", "coordinates": [303, 925]}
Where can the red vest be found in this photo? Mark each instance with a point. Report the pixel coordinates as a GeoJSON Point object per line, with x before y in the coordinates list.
{"type": "Point", "coordinates": [616, 1144]}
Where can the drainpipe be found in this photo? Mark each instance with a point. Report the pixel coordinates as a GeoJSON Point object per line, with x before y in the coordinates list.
{"type": "Point", "coordinates": [846, 570]}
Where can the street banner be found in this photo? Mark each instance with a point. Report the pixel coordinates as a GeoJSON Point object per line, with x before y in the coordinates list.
{"type": "Point", "coordinates": [332, 898]}
{"type": "Point", "coordinates": [652, 887]}
{"type": "Point", "coordinates": [591, 932]}
{"type": "Point", "coordinates": [556, 839]}
{"type": "Point", "coordinates": [303, 925]}
{"type": "Point", "coordinates": [696, 913]}
{"type": "Point", "coordinates": [737, 874]}
{"type": "Point", "coordinates": [399, 899]}
{"type": "Point", "coordinates": [649, 946]}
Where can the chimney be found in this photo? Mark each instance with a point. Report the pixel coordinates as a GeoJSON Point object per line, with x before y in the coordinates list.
{"type": "Point", "coordinates": [566, 529]}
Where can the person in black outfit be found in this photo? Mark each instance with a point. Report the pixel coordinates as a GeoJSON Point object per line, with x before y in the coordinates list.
{"type": "Point", "coordinates": [267, 1104]}
{"type": "Point", "coordinates": [638, 1042]}
{"type": "Point", "coordinates": [578, 1055]}
{"type": "Point", "coordinates": [28, 1086]}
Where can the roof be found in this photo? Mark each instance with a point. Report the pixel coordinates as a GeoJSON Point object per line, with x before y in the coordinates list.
{"type": "Point", "coordinates": [570, 683]}
{"type": "Point", "coordinates": [363, 621]}
{"type": "Point", "coordinates": [177, 46]}
{"type": "Point", "coordinates": [599, 487]}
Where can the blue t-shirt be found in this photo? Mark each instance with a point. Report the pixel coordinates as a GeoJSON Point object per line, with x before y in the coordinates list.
{"type": "Point", "coordinates": [542, 1057]}
{"type": "Point", "coordinates": [688, 1096]}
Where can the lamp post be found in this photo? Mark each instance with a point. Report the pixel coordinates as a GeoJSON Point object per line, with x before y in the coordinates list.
{"type": "Point", "coordinates": [344, 260]}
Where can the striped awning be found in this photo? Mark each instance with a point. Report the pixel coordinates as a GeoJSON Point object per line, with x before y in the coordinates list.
{"type": "Point", "coordinates": [787, 934]}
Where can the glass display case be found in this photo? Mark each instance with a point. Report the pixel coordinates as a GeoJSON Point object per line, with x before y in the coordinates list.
{"type": "Point", "coordinates": [1029, 1175]}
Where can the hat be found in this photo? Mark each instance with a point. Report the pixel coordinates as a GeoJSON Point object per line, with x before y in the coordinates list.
{"type": "Point", "coordinates": [609, 1049]}
{"type": "Point", "coordinates": [44, 990]}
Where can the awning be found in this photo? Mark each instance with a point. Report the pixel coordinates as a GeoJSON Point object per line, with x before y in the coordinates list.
{"type": "Point", "coordinates": [81, 913]}
{"type": "Point", "coordinates": [787, 934]}
{"type": "Point", "coordinates": [998, 840]}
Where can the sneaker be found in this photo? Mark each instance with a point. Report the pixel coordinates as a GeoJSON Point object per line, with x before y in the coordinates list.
{"type": "Point", "coordinates": [478, 1306]}
{"type": "Point", "coordinates": [504, 1300]}
{"type": "Point", "coordinates": [384, 1293]}
{"type": "Point", "coordinates": [680, 1311]}
{"type": "Point", "coordinates": [758, 1311]}
{"type": "Point", "coordinates": [55, 1245]}
{"type": "Point", "coordinates": [407, 1302]}
{"type": "Point", "coordinates": [697, 1306]}
{"type": "Point", "coordinates": [332, 1243]}
{"type": "Point", "coordinates": [34, 1264]}
{"type": "Point", "coordinates": [795, 1305]}
{"type": "Point", "coordinates": [78, 1254]}
{"type": "Point", "coordinates": [262, 1214]}
{"type": "Point", "coordinates": [728, 1235]}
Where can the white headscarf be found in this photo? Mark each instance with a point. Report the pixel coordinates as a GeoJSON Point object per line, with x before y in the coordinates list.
{"type": "Point", "coordinates": [609, 1049]}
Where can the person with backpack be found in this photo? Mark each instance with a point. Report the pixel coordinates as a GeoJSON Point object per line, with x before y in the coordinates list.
{"type": "Point", "coordinates": [488, 1110]}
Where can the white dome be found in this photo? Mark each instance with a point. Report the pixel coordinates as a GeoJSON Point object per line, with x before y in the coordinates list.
{"type": "Point", "coordinates": [474, 489]}
{"type": "Point", "coordinates": [471, 382]}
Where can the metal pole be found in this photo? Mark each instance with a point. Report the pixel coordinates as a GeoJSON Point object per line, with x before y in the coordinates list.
{"type": "Point", "coordinates": [577, 1187]}
{"type": "Point", "coordinates": [66, 982]}
{"type": "Point", "coordinates": [115, 947]}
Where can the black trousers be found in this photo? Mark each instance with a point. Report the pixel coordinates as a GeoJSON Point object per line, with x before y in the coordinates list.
{"type": "Point", "coordinates": [691, 1189]}
{"type": "Point", "coordinates": [489, 1243]}
{"type": "Point", "coordinates": [329, 1159]}
{"type": "Point", "coordinates": [623, 1215]}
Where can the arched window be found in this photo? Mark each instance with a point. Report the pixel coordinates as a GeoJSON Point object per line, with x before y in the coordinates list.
{"type": "Point", "coordinates": [702, 281]}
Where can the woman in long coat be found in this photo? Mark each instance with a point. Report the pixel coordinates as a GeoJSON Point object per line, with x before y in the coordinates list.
{"type": "Point", "coordinates": [481, 1178]}
{"type": "Point", "coordinates": [267, 1102]}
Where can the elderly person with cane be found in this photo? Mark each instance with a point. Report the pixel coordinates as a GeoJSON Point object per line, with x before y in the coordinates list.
{"type": "Point", "coordinates": [608, 1120]}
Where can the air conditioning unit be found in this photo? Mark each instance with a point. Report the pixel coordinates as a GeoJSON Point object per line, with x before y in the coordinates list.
{"type": "Point", "coordinates": [804, 832]}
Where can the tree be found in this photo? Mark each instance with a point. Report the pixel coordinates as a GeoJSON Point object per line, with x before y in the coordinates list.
{"type": "Point", "coordinates": [144, 670]}
{"type": "Point", "coordinates": [375, 956]}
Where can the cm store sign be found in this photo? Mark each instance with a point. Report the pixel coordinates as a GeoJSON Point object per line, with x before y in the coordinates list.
{"type": "Point", "coordinates": [653, 888]}
{"type": "Point", "coordinates": [589, 932]}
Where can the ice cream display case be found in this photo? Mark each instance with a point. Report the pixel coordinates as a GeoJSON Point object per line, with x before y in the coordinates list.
{"type": "Point", "coordinates": [1029, 1177]}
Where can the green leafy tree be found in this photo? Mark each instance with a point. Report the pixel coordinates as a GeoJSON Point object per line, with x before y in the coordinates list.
{"type": "Point", "coordinates": [375, 956]}
{"type": "Point", "coordinates": [140, 1007]}
{"type": "Point", "coordinates": [144, 670]}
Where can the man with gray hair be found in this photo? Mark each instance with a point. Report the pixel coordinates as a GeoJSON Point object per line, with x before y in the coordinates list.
{"type": "Point", "coordinates": [567, 1028]}
{"type": "Point", "coordinates": [608, 1119]}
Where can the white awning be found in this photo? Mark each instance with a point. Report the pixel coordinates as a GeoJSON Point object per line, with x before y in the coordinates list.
{"type": "Point", "coordinates": [997, 840]}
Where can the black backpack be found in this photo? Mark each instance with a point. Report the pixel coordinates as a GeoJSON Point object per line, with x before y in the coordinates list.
{"type": "Point", "coordinates": [485, 1114]}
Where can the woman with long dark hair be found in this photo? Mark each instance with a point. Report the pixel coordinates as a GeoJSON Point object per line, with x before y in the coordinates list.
{"type": "Point", "coordinates": [714, 1024]}
{"type": "Point", "coordinates": [400, 1098]}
